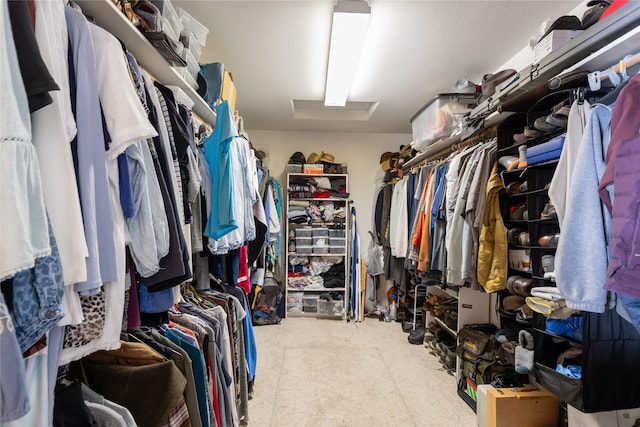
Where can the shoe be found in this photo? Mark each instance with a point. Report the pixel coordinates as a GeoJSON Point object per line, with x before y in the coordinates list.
{"type": "Point", "coordinates": [543, 125]}
{"type": "Point", "coordinates": [559, 117]}
{"type": "Point", "coordinates": [524, 187]}
{"type": "Point", "coordinates": [549, 240]}
{"type": "Point", "coordinates": [530, 132]}
{"type": "Point", "coordinates": [549, 212]}
{"type": "Point", "coordinates": [548, 263]}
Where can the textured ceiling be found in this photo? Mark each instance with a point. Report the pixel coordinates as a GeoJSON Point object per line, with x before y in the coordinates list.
{"type": "Point", "coordinates": [278, 50]}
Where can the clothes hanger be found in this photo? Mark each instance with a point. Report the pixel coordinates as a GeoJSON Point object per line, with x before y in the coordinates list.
{"type": "Point", "coordinates": [595, 78]}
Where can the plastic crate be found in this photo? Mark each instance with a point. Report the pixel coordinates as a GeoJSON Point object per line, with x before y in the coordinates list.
{"type": "Point", "coordinates": [337, 233]}
{"type": "Point", "coordinates": [295, 307]}
{"type": "Point", "coordinates": [304, 232]}
{"type": "Point", "coordinates": [304, 250]}
{"type": "Point", "coordinates": [320, 241]}
{"type": "Point", "coordinates": [294, 297]}
{"type": "Point", "coordinates": [304, 241]}
{"type": "Point", "coordinates": [337, 241]}
{"type": "Point", "coordinates": [330, 308]}
{"type": "Point", "coordinates": [338, 250]}
{"type": "Point", "coordinates": [310, 303]}
{"type": "Point", "coordinates": [320, 250]}
{"type": "Point", "coordinates": [320, 232]}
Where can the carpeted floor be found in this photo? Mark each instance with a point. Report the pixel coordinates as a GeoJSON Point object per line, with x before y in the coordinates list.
{"type": "Point", "coordinates": [317, 372]}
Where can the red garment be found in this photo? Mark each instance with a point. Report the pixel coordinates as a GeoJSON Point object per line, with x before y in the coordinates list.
{"type": "Point", "coordinates": [325, 194]}
{"type": "Point", "coordinates": [244, 281]}
{"type": "Point", "coordinates": [615, 5]}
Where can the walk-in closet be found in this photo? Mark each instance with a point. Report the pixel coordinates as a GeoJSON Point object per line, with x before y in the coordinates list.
{"type": "Point", "coordinates": [319, 213]}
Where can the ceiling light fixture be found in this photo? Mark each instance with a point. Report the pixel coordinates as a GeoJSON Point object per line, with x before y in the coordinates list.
{"type": "Point", "coordinates": [348, 30]}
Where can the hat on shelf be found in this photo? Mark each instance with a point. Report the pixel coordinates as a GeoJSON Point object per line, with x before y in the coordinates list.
{"type": "Point", "coordinates": [566, 22]}
{"type": "Point", "coordinates": [388, 160]}
{"type": "Point", "coordinates": [491, 81]}
{"type": "Point", "coordinates": [327, 158]}
{"type": "Point", "coordinates": [464, 86]}
{"type": "Point", "coordinates": [297, 158]}
{"type": "Point", "coordinates": [595, 11]}
{"type": "Point", "coordinates": [313, 158]}
{"type": "Point", "coordinates": [261, 154]}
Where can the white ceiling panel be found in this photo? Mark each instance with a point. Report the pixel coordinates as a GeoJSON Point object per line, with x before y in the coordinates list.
{"type": "Point", "coordinates": [278, 50]}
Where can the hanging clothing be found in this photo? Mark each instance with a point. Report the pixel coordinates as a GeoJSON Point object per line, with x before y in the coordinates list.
{"type": "Point", "coordinates": [621, 172]}
{"type": "Point", "coordinates": [89, 157]}
{"type": "Point", "coordinates": [581, 256]}
{"type": "Point", "coordinates": [54, 128]}
{"type": "Point", "coordinates": [222, 218]}
{"type": "Point", "coordinates": [23, 217]}
{"type": "Point", "coordinates": [492, 253]}
{"type": "Point", "coordinates": [562, 177]}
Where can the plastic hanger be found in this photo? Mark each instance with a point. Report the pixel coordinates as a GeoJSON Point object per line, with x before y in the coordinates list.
{"type": "Point", "coordinates": [595, 78]}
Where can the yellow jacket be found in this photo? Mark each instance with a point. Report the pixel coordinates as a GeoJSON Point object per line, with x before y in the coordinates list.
{"type": "Point", "coordinates": [492, 254]}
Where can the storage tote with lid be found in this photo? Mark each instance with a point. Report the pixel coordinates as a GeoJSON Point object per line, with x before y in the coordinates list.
{"type": "Point", "coordinates": [440, 117]}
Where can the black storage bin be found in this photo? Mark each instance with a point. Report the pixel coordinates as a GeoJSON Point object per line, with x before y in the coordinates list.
{"type": "Point", "coordinates": [567, 389]}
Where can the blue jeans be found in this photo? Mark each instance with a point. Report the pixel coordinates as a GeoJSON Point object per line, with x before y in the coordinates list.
{"type": "Point", "coordinates": [37, 297]}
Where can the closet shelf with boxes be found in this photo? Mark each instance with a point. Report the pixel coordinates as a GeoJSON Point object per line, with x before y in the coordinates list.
{"type": "Point", "coordinates": [531, 137]}
{"type": "Point", "coordinates": [107, 15]}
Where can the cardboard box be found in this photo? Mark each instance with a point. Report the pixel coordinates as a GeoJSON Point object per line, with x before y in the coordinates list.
{"type": "Point", "coordinates": [551, 42]}
{"type": "Point", "coordinates": [522, 407]}
{"type": "Point", "coordinates": [229, 90]}
{"type": "Point", "coordinates": [315, 168]}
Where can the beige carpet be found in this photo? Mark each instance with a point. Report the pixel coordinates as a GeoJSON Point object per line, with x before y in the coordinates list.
{"type": "Point", "coordinates": [314, 372]}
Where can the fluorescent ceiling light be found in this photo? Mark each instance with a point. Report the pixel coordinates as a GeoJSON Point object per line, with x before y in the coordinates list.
{"type": "Point", "coordinates": [348, 30]}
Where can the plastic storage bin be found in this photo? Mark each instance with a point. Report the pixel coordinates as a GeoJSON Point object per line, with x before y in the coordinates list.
{"type": "Point", "coordinates": [330, 308]}
{"type": "Point", "coordinates": [440, 118]}
{"type": "Point", "coordinates": [336, 233]}
{"type": "Point", "coordinates": [304, 232]}
{"type": "Point", "coordinates": [304, 250]}
{"type": "Point", "coordinates": [303, 241]}
{"type": "Point", "coordinates": [310, 303]}
{"type": "Point", "coordinates": [190, 42]}
{"type": "Point", "coordinates": [169, 17]}
{"type": "Point", "coordinates": [320, 241]}
{"type": "Point", "coordinates": [337, 241]}
{"type": "Point", "coordinates": [339, 250]}
{"type": "Point", "coordinates": [295, 307]}
{"type": "Point", "coordinates": [320, 232]}
{"type": "Point", "coordinates": [194, 26]}
{"type": "Point", "coordinates": [294, 297]}
{"type": "Point", "coordinates": [321, 250]}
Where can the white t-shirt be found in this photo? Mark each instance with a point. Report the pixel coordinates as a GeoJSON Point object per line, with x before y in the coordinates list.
{"type": "Point", "coordinates": [125, 116]}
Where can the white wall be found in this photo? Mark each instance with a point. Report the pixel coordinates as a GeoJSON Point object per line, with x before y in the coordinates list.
{"type": "Point", "coordinates": [360, 151]}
